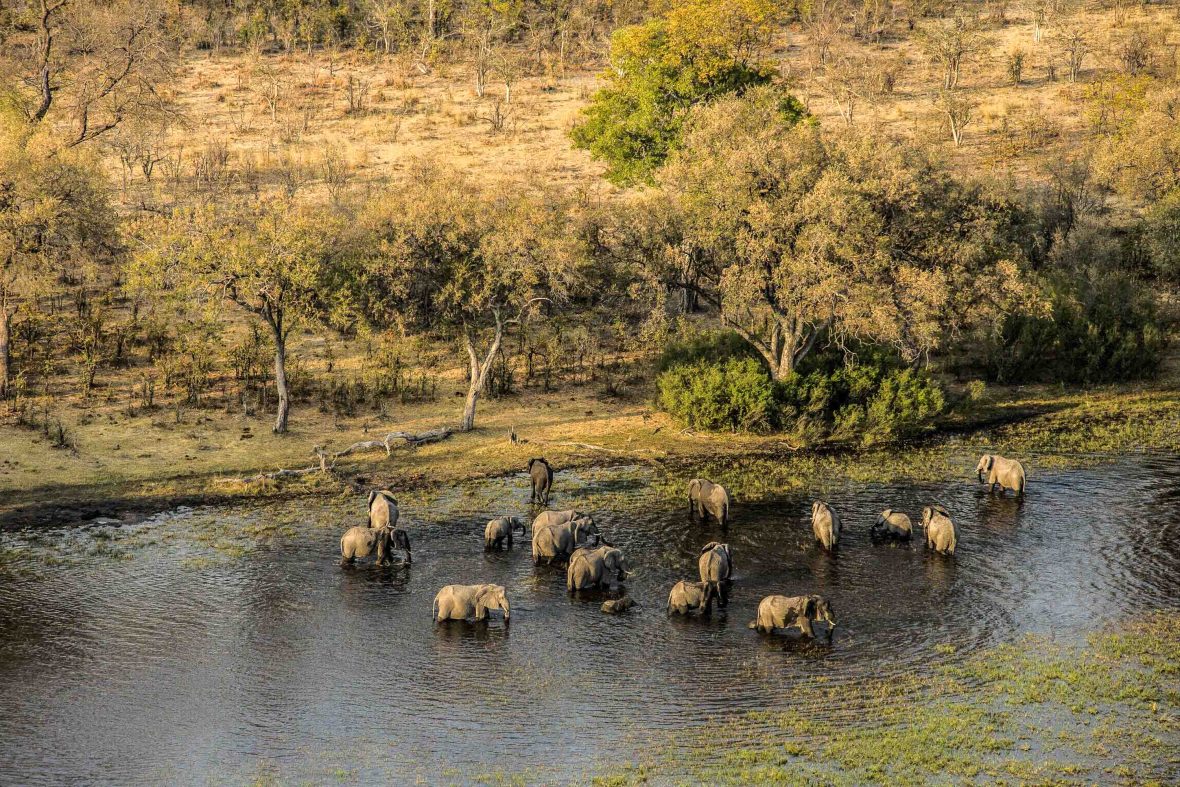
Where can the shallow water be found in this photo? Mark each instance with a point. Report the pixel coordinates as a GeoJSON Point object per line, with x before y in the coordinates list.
{"type": "Point", "coordinates": [159, 652]}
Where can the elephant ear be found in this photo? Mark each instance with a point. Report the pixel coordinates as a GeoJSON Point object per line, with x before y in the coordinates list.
{"type": "Point", "coordinates": [991, 461]}
{"type": "Point", "coordinates": [809, 607]}
{"type": "Point", "coordinates": [403, 539]}
{"type": "Point", "coordinates": [372, 497]}
{"type": "Point", "coordinates": [531, 463]}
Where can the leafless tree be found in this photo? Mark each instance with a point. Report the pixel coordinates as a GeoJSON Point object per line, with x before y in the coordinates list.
{"type": "Point", "coordinates": [951, 42]}
{"type": "Point", "coordinates": [957, 112]}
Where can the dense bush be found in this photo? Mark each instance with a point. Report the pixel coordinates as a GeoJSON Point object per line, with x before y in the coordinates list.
{"type": "Point", "coordinates": [735, 394]}
{"type": "Point", "coordinates": [1102, 328]}
{"type": "Point", "coordinates": [712, 346]}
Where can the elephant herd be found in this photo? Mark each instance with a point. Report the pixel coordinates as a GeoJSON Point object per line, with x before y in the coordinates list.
{"type": "Point", "coordinates": [571, 538]}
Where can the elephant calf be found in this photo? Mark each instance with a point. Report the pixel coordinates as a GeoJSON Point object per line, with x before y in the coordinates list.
{"type": "Point", "coordinates": [825, 523]}
{"type": "Point", "coordinates": [556, 534]}
{"type": "Point", "coordinates": [894, 524]}
{"type": "Point", "coordinates": [707, 497]}
{"type": "Point", "coordinates": [363, 541]}
{"type": "Point", "coordinates": [716, 567]}
{"type": "Point", "coordinates": [541, 475]}
{"type": "Point", "coordinates": [460, 602]}
{"type": "Point", "coordinates": [615, 606]}
{"type": "Point", "coordinates": [1001, 472]}
{"type": "Point", "coordinates": [688, 596]}
{"type": "Point", "coordinates": [500, 530]}
{"type": "Point", "coordinates": [592, 568]}
{"type": "Point", "coordinates": [780, 612]}
{"type": "Point", "coordinates": [941, 533]}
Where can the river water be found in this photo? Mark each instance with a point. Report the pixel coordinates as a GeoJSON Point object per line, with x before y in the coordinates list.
{"type": "Point", "coordinates": [227, 645]}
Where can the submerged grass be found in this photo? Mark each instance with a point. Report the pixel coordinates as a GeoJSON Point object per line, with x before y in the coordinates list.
{"type": "Point", "coordinates": [1035, 711]}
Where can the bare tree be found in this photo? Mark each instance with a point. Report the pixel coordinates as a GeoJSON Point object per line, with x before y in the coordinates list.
{"type": "Point", "coordinates": [951, 43]}
{"type": "Point", "coordinates": [957, 111]}
{"type": "Point", "coordinates": [1073, 45]}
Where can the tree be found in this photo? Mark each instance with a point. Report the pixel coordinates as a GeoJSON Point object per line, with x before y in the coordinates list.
{"type": "Point", "coordinates": [811, 239]}
{"type": "Point", "coordinates": [950, 43]}
{"type": "Point", "coordinates": [54, 219]}
{"type": "Point", "coordinates": [957, 111]}
{"type": "Point", "coordinates": [690, 55]}
{"type": "Point", "coordinates": [274, 261]}
{"type": "Point", "coordinates": [1073, 45]}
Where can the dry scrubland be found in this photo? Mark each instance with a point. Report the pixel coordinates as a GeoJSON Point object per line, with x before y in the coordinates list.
{"type": "Point", "coordinates": [325, 121]}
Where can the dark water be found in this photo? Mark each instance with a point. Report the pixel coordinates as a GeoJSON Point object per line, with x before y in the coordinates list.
{"type": "Point", "coordinates": [157, 653]}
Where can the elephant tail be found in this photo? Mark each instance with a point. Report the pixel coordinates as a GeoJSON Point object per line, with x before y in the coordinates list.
{"type": "Point", "coordinates": [342, 546]}
{"type": "Point", "coordinates": [434, 609]}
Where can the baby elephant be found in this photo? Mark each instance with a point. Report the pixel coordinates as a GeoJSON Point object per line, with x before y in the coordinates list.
{"type": "Point", "coordinates": [780, 612]}
{"type": "Point", "coordinates": [615, 606]}
{"type": "Point", "coordinates": [364, 541]}
{"type": "Point", "coordinates": [592, 568]}
{"type": "Point", "coordinates": [500, 530]}
{"type": "Point", "coordinates": [716, 568]}
{"type": "Point", "coordinates": [825, 523]}
{"type": "Point", "coordinates": [941, 533]}
{"type": "Point", "coordinates": [893, 524]}
{"type": "Point", "coordinates": [688, 596]}
{"type": "Point", "coordinates": [460, 602]}
{"type": "Point", "coordinates": [541, 476]}
{"type": "Point", "coordinates": [1001, 472]}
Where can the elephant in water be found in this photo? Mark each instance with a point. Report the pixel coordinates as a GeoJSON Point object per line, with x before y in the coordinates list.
{"type": "Point", "coordinates": [592, 568]}
{"type": "Point", "coordinates": [548, 518]}
{"type": "Point", "coordinates": [894, 524]}
{"type": "Point", "coordinates": [500, 529]}
{"type": "Point", "coordinates": [705, 496]}
{"type": "Point", "coordinates": [558, 541]}
{"type": "Point", "coordinates": [460, 602]}
{"type": "Point", "coordinates": [780, 612]}
{"type": "Point", "coordinates": [382, 509]}
{"type": "Point", "coordinates": [615, 606]}
{"type": "Point", "coordinates": [542, 477]}
{"type": "Point", "coordinates": [716, 567]}
{"type": "Point", "coordinates": [687, 596]}
{"type": "Point", "coordinates": [941, 533]}
{"type": "Point", "coordinates": [825, 523]}
{"type": "Point", "coordinates": [1005, 473]}
{"type": "Point", "coordinates": [364, 541]}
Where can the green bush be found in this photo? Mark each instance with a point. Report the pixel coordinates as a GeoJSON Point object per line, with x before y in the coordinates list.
{"type": "Point", "coordinates": [734, 394]}
{"type": "Point", "coordinates": [714, 346]}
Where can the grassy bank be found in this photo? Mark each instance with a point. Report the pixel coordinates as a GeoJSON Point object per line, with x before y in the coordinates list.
{"type": "Point", "coordinates": [1032, 712]}
{"type": "Point", "coordinates": [155, 461]}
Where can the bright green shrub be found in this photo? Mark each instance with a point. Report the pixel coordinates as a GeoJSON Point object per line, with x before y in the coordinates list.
{"type": "Point", "coordinates": [735, 394]}
{"type": "Point", "coordinates": [712, 346]}
{"type": "Point", "coordinates": [904, 402]}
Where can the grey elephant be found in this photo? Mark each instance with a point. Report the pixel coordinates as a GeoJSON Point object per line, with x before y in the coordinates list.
{"type": "Point", "coordinates": [893, 524]}
{"type": "Point", "coordinates": [383, 510]}
{"type": "Point", "coordinates": [558, 541]}
{"type": "Point", "coordinates": [460, 602]}
{"type": "Point", "coordinates": [363, 541]}
{"type": "Point", "coordinates": [716, 568]}
{"type": "Point", "coordinates": [688, 596]}
{"type": "Point", "coordinates": [593, 568]}
{"type": "Point", "coordinates": [780, 612]}
{"type": "Point", "coordinates": [1001, 472]}
{"type": "Point", "coordinates": [500, 530]}
{"type": "Point", "coordinates": [941, 533]}
{"type": "Point", "coordinates": [825, 523]}
{"type": "Point", "coordinates": [542, 477]}
{"type": "Point", "coordinates": [706, 497]}
{"type": "Point", "coordinates": [547, 518]}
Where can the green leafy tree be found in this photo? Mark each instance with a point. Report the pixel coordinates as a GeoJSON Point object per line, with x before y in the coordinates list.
{"type": "Point", "coordinates": [692, 54]}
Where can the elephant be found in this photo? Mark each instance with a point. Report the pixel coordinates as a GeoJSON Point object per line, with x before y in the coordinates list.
{"type": "Point", "coordinates": [780, 612]}
{"type": "Point", "coordinates": [363, 541]}
{"type": "Point", "coordinates": [1005, 473]}
{"type": "Point", "coordinates": [592, 568]}
{"type": "Point", "coordinates": [558, 541]}
{"type": "Point", "coordinates": [548, 518]}
{"type": "Point", "coordinates": [459, 602]}
{"type": "Point", "coordinates": [825, 523]}
{"type": "Point", "coordinates": [941, 533]}
{"type": "Point", "coordinates": [382, 509]}
{"type": "Point", "coordinates": [687, 596]}
{"type": "Point", "coordinates": [542, 476]}
{"type": "Point", "coordinates": [707, 497]}
{"type": "Point", "coordinates": [894, 524]}
{"type": "Point", "coordinates": [716, 567]}
{"type": "Point", "coordinates": [616, 605]}
{"type": "Point", "coordinates": [500, 529]}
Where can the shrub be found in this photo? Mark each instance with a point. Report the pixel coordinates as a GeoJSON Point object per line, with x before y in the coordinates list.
{"type": "Point", "coordinates": [734, 394]}
{"type": "Point", "coordinates": [904, 403]}
{"type": "Point", "coordinates": [712, 346]}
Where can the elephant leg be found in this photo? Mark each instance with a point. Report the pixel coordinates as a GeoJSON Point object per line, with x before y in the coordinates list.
{"type": "Point", "coordinates": [723, 594]}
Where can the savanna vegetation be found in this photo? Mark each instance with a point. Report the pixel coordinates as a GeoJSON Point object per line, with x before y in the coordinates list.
{"type": "Point", "coordinates": [234, 231]}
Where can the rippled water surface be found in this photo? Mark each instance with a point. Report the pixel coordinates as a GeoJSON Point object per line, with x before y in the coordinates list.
{"type": "Point", "coordinates": [228, 645]}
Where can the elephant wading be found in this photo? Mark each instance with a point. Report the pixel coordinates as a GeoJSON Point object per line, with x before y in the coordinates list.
{"type": "Point", "coordinates": [500, 530]}
{"type": "Point", "coordinates": [716, 567]}
{"type": "Point", "coordinates": [893, 524]}
{"type": "Point", "coordinates": [593, 568]}
{"type": "Point", "coordinates": [1001, 472]}
{"type": "Point", "coordinates": [364, 541]}
{"type": "Point", "coordinates": [780, 612]}
{"type": "Point", "coordinates": [688, 596]}
{"type": "Point", "coordinates": [825, 523]}
{"type": "Point", "coordinates": [557, 540]}
{"type": "Point", "coordinates": [382, 509]}
{"type": "Point", "coordinates": [941, 533]}
{"type": "Point", "coordinates": [460, 602]}
{"type": "Point", "coordinates": [542, 477]}
{"type": "Point", "coordinates": [707, 497]}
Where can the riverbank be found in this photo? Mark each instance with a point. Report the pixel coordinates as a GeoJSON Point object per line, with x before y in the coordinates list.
{"type": "Point", "coordinates": [1035, 711]}
{"type": "Point", "coordinates": [155, 462]}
